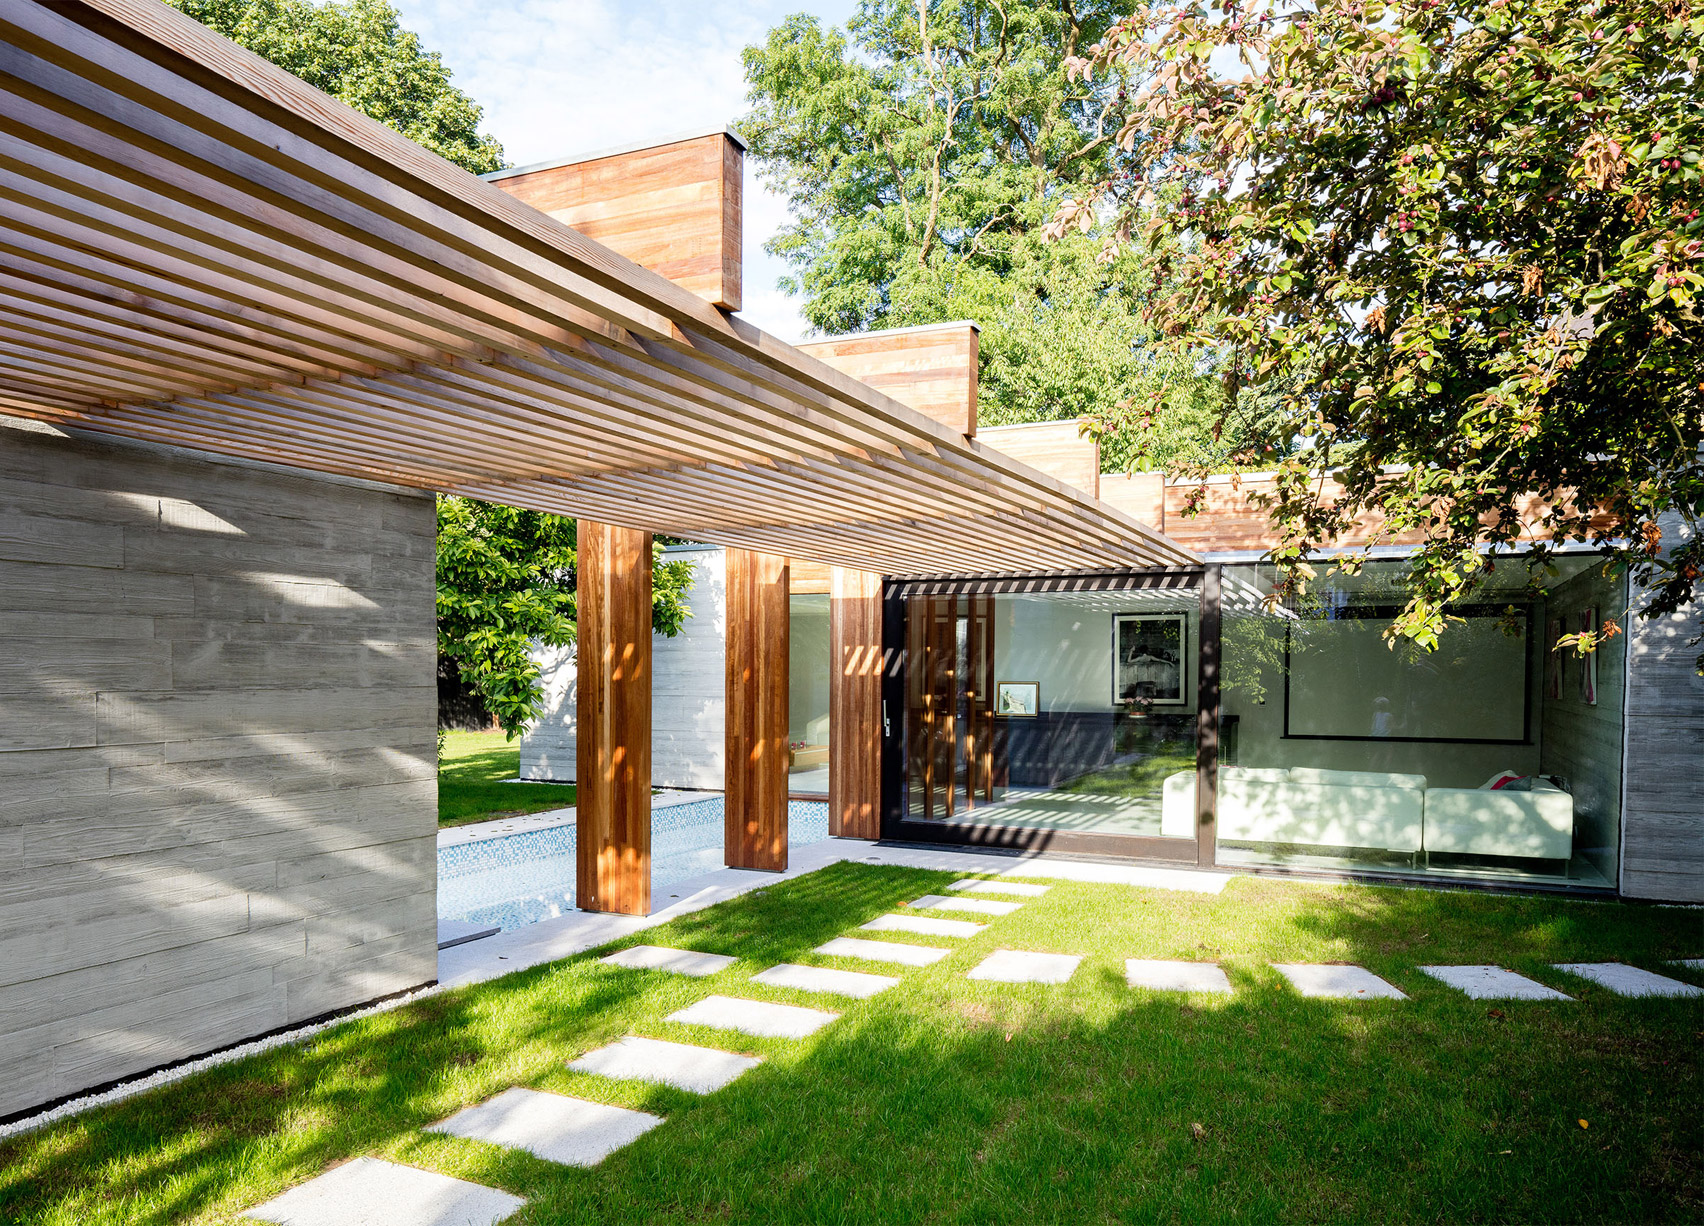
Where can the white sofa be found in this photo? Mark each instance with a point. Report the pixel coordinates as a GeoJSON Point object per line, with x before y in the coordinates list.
{"type": "Point", "coordinates": [1375, 810]}
{"type": "Point", "coordinates": [1477, 821]}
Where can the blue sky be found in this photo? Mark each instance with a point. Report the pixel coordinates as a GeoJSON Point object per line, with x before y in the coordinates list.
{"type": "Point", "coordinates": [560, 77]}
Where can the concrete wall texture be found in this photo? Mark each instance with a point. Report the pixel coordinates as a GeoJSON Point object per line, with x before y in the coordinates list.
{"type": "Point", "coordinates": [217, 760]}
{"type": "Point", "coordinates": [1662, 814]}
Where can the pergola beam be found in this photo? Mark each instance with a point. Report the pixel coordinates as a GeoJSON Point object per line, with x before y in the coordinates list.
{"type": "Point", "coordinates": [199, 249]}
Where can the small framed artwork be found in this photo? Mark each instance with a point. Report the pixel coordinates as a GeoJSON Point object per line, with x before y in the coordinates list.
{"type": "Point", "coordinates": [1588, 662]}
{"type": "Point", "coordinates": [1553, 661]}
{"type": "Point", "coordinates": [1019, 699]}
{"type": "Point", "coordinates": [1150, 655]}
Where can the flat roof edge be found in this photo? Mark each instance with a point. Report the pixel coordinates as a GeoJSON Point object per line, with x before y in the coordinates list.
{"type": "Point", "coordinates": [594, 155]}
{"type": "Point", "coordinates": [858, 336]}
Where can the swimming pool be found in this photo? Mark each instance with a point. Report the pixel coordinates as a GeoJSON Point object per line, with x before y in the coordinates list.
{"type": "Point", "coordinates": [524, 878]}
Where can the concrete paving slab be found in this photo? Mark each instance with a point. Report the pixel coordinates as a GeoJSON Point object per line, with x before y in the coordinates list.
{"type": "Point", "coordinates": [1691, 964]}
{"type": "Point", "coordinates": [1493, 983]}
{"type": "Point", "coordinates": [1626, 980]}
{"type": "Point", "coordinates": [679, 961]}
{"type": "Point", "coordinates": [976, 906]}
{"type": "Point", "coordinates": [1018, 889]}
{"type": "Point", "coordinates": [1176, 976]}
{"type": "Point", "coordinates": [453, 932]}
{"type": "Point", "coordinates": [569, 1131]}
{"type": "Point", "coordinates": [1023, 966]}
{"type": "Point", "coordinates": [882, 951]}
{"type": "Point", "coordinates": [1343, 982]}
{"type": "Point", "coordinates": [756, 1017]}
{"type": "Point", "coordinates": [922, 926]}
{"type": "Point", "coordinates": [699, 1070]}
{"type": "Point", "coordinates": [1103, 873]}
{"type": "Point", "coordinates": [369, 1192]}
{"type": "Point", "coordinates": [823, 979]}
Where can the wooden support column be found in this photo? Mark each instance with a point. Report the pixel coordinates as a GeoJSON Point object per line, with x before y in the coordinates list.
{"type": "Point", "coordinates": [756, 784]}
{"type": "Point", "coordinates": [854, 703]}
{"type": "Point", "coordinates": [613, 692]}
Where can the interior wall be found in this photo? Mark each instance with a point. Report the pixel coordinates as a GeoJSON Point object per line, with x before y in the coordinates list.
{"type": "Point", "coordinates": [1253, 692]}
{"type": "Point", "coordinates": [1582, 742]}
{"type": "Point", "coordinates": [218, 788]}
{"type": "Point", "coordinates": [688, 691]}
{"type": "Point", "coordinates": [1067, 647]}
{"type": "Point", "coordinates": [807, 675]}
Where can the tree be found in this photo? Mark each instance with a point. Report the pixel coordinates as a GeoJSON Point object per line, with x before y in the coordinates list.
{"type": "Point", "coordinates": [506, 582]}
{"type": "Point", "coordinates": [359, 54]}
{"type": "Point", "coordinates": [1460, 243]}
{"type": "Point", "coordinates": [923, 150]}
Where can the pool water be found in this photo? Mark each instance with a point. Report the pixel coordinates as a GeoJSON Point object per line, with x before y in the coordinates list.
{"type": "Point", "coordinates": [524, 878]}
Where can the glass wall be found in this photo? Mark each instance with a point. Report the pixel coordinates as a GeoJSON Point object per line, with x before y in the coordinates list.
{"type": "Point", "coordinates": [1062, 711]}
{"type": "Point", "coordinates": [1493, 756]}
{"type": "Point", "coordinates": [807, 695]}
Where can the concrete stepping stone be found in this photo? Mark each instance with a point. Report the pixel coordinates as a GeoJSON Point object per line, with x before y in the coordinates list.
{"type": "Point", "coordinates": [370, 1192]}
{"type": "Point", "coordinates": [680, 961]}
{"type": "Point", "coordinates": [756, 1017]}
{"type": "Point", "coordinates": [568, 1131]}
{"type": "Point", "coordinates": [882, 951]}
{"type": "Point", "coordinates": [1493, 983]}
{"type": "Point", "coordinates": [1351, 982]}
{"type": "Point", "coordinates": [1691, 964]}
{"type": "Point", "coordinates": [1176, 976]}
{"type": "Point", "coordinates": [698, 1070]}
{"type": "Point", "coordinates": [1022, 966]}
{"type": "Point", "coordinates": [1020, 889]}
{"type": "Point", "coordinates": [922, 926]}
{"type": "Point", "coordinates": [1626, 980]}
{"type": "Point", "coordinates": [823, 979]}
{"type": "Point", "coordinates": [977, 906]}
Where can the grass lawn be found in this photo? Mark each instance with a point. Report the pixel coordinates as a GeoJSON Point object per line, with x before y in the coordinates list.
{"type": "Point", "coordinates": [471, 787]}
{"type": "Point", "coordinates": [950, 1101]}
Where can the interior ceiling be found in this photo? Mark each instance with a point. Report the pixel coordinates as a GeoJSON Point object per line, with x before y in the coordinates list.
{"type": "Point", "coordinates": [199, 250]}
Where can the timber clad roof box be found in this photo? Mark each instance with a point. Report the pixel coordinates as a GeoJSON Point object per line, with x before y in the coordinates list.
{"type": "Point", "coordinates": [200, 250]}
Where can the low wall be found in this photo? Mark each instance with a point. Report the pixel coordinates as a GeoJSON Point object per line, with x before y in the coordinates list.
{"type": "Point", "coordinates": [217, 758]}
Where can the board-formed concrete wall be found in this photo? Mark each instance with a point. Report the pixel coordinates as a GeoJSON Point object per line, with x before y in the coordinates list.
{"type": "Point", "coordinates": [1662, 814]}
{"type": "Point", "coordinates": [217, 759]}
{"type": "Point", "coordinates": [688, 691]}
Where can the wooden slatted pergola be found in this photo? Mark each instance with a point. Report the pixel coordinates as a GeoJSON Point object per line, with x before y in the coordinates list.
{"type": "Point", "coordinates": [198, 249]}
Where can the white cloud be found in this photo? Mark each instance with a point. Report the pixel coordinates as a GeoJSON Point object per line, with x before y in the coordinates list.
{"type": "Point", "coordinates": [562, 77]}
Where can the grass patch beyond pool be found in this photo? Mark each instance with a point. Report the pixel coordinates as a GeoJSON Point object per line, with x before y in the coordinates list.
{"type": "Point", "coordinates": [471, 781]}
{"type": "Point", "coordinates": [946, 1100]}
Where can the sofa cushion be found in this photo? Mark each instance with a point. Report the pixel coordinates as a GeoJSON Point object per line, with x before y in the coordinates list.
{"type": "Point", "coordinates": [1539, 823]}
{"type": "Point", "coordinates": [1356, 779]}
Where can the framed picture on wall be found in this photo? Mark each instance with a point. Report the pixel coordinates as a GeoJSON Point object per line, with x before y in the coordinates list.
{"type": "Point", "coordinates": [1588, 662]}
{"type": "Point", "coordinates": [1553, 660]}
{"type": "Point", "coordinates": [1150, 653]}
{"type": "Point", "coordinates": [1019, 699]}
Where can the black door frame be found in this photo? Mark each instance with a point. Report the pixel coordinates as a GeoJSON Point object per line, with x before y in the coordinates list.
{"type": "Point", "coordinates": [897, 827]}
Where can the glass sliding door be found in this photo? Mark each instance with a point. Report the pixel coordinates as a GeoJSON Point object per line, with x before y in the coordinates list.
{"type": "Point", "coordinates": [1056, 713]}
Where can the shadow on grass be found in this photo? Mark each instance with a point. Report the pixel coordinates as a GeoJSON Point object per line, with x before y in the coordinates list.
{"type": "Point", "coordinates": [950, 1100]}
